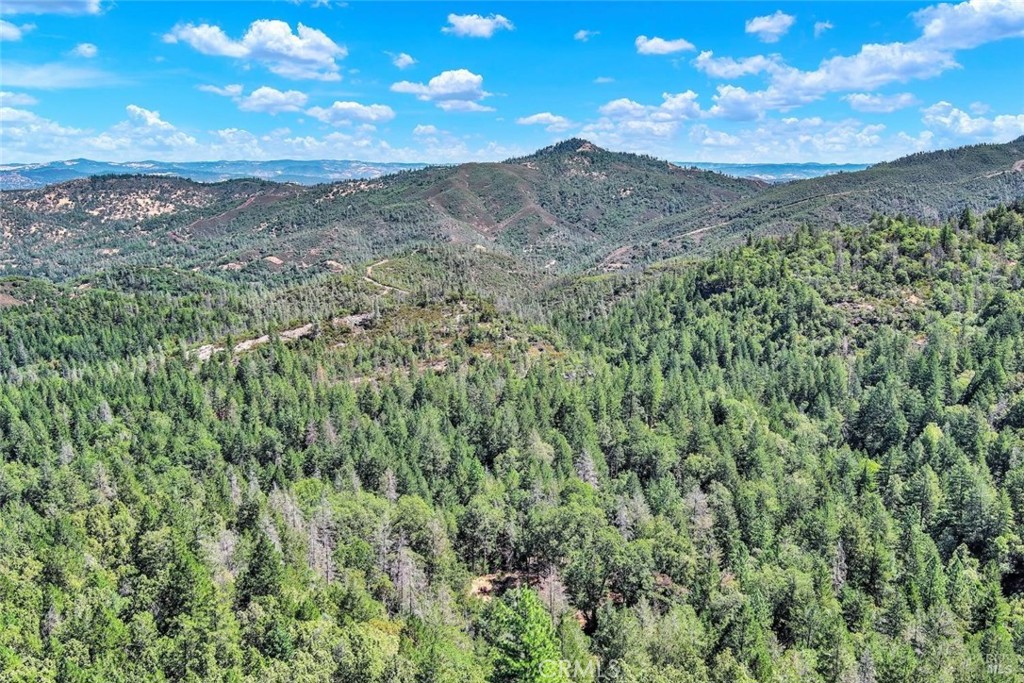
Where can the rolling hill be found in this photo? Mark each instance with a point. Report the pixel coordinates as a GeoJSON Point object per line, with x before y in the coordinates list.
{"type": "Point", "coordinates": [569, 207]}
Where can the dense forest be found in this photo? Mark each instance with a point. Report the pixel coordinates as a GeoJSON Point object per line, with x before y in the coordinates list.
{"type": "Point", "coordinates": [800, 459]}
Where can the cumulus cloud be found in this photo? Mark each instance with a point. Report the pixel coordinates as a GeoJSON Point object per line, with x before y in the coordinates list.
{"type": "Point", "coordinates": [739, 104]}
{"type": "Point", "coordinates": [402, 60]}
{"type": "Point", "coordinates": [770, 28]}
{"type": "Point", "coordinates": [583, 35]}
{"type": "Point", "coordinates": [272, 101]}
{"type": "Point", "coordinates": [50, 7]}
{"type": "Point", "coordinates": [876, 65]}
{"type": "Point", "coordinates": [884, 104]}
{"type": "Point", "coordinates": [970, 24]}
{"type": "Point", "coordinates": [455, 90]}
{"type": "Point", "coordinates": [147, 117]}
{"type": "Point", "coordinates": [660, 46]}
{"type": "Point", "coordinates": [727, 67]}
{"type": "Point", "coordinates": [817, 139]}
{"type": "Point", "coordinates": [945, 28]}
{"type": "Point", "coordinates": [674, 107]}
{"type": "Point", "coordinates": [704, 136]}
{"type": "Point", "coordinates": [958, 124]}
{"type": "Point", "coordinates": [264, 99]}
{"type": "Point", "coordinates": [551, 122]}
{"type": "Point", "coordinates": [145, 134]}
{"type": "Point", "coordinates": [85, 50]}
{"type": "Point", "coordinates": [628, 124]}
{"type": "Point", "coordinates": [425, 130]}
{"type": "Point", "coordinates": [604, 80]}
{"type": "Point", "coordinates": [347, 112]}
{"type": "Point", "coordinates": [820, 27]}
{"type": "Point", "coordinates": [12, 32]}
{"type": "Point", "coordinates": [307, 53]}
{"type": "Point", "coordinates": [24, 134]}
{"type": "Point", "coordinates": [476, 26]}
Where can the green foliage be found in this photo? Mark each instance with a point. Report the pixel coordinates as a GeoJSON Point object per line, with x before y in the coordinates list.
{"type": "Point", "coordinates": [798, 460]}
{"type": "Point", "coordinates": [520, 630]}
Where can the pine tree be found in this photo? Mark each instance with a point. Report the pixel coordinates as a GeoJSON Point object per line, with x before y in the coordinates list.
{"type": "Point", "coordinates": [520, 631]}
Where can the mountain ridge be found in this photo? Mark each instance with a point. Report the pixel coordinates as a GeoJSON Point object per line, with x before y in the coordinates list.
{"type": "Point", "coordinates": [567, 207]}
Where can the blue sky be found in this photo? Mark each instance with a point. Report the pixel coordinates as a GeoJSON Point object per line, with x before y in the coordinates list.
{"type": "Point", "coordinates": [449, 82]}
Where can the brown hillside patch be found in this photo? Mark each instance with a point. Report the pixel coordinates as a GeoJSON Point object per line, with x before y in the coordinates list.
{"type": "Point", "coordinates": [7, 301]}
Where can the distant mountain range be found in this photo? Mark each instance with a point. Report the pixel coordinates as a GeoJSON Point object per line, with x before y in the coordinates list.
{"type": "Point", "coordinates": [31, 176]}
{"type": "Point", "coordinates": [774, 173]}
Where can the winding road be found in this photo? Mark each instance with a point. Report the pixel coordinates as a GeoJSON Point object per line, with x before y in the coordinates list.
{"type": "Point", "coordinates": [369, 278]}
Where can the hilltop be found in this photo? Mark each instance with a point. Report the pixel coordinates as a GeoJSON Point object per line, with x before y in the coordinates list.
{"type": "Point", "coordinates": [560, 208]}
{"type": "Point", "coordinates": [569, 207]}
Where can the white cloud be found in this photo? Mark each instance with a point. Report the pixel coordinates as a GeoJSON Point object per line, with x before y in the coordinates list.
{"type": "Point", "coordinates": [674, 107]}
{"type": "Point", "coordinates": [305, 54]}
{"type": "Point", "coordinates": [552, 122]}
{"type": "Point", "coordinates": [272, 101]}
{"type": "Point", "coordinates": [660, 46]}
{"type": "Point", "coordinates": [346, 112]}
{"type": "Point", "coordinates": [238, 143]}
{"type": "Point", "coordinates": [50, 7]}
{"type": "Point", "coordinates": [700, 134]}
{"type": "Point", "coordinates": [25, 135]}
{"type": "Point", "coordinates": [463, 106]}
{"type": "Point", "coordinates": [604, 80]}
{"type": "Point", "coordinates": [874, 66]}
{"type": "Point", "coordinates": [264, 99]}
{"type": "Point", "coordinates": [739, 104]}
{"type": "Point", "coordinates": [476, 26]}
{"type": "Point", "coordinates": [945, 118]}
{"type": "Point", "coordinates": [147, 117]}
{"type": "Point", "coordinates": [16, 99]}
{"type": "Point", "coordinates": [771, 27]}
{"type": "Point", "coordinates": [820, 27]}
{"type": "Point", "coordinates": [146, 135]}
{"type": "Point", "coordinates": [727, 67]}
{"type": "Point", "coordinates": [56, 76]}
{"type": "Point", "coordinates": [945, 29]}
{"type": "Point", "coordinates": [455, 90]}
{"type": "Point", "coordinates": [868, 102]}
{"type": "Point", "coordinates": [628, 124]}
{"type": "Point", "coordinates": [11, 32]}
{"type": "Point", "coordinates": [805, 140]}
{"type": "Point", "coordinates": [85, 50]}
{"type": "Point", "coordinates": [583, 35]}
{"type": "Point", "coordinates": [233, 90]}
{"type": "Point", "coordinates": [970, 24]}
{"type": "Point", "coordinates": [425, 130]}
{"type": "Point", "coordinates": [402, 60]}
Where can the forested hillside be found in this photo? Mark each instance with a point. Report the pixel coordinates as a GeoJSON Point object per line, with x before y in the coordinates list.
{"type": "Point", "coordinates": [567, 208]}
{"type": "Point", "coordinates": [797, 460]}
